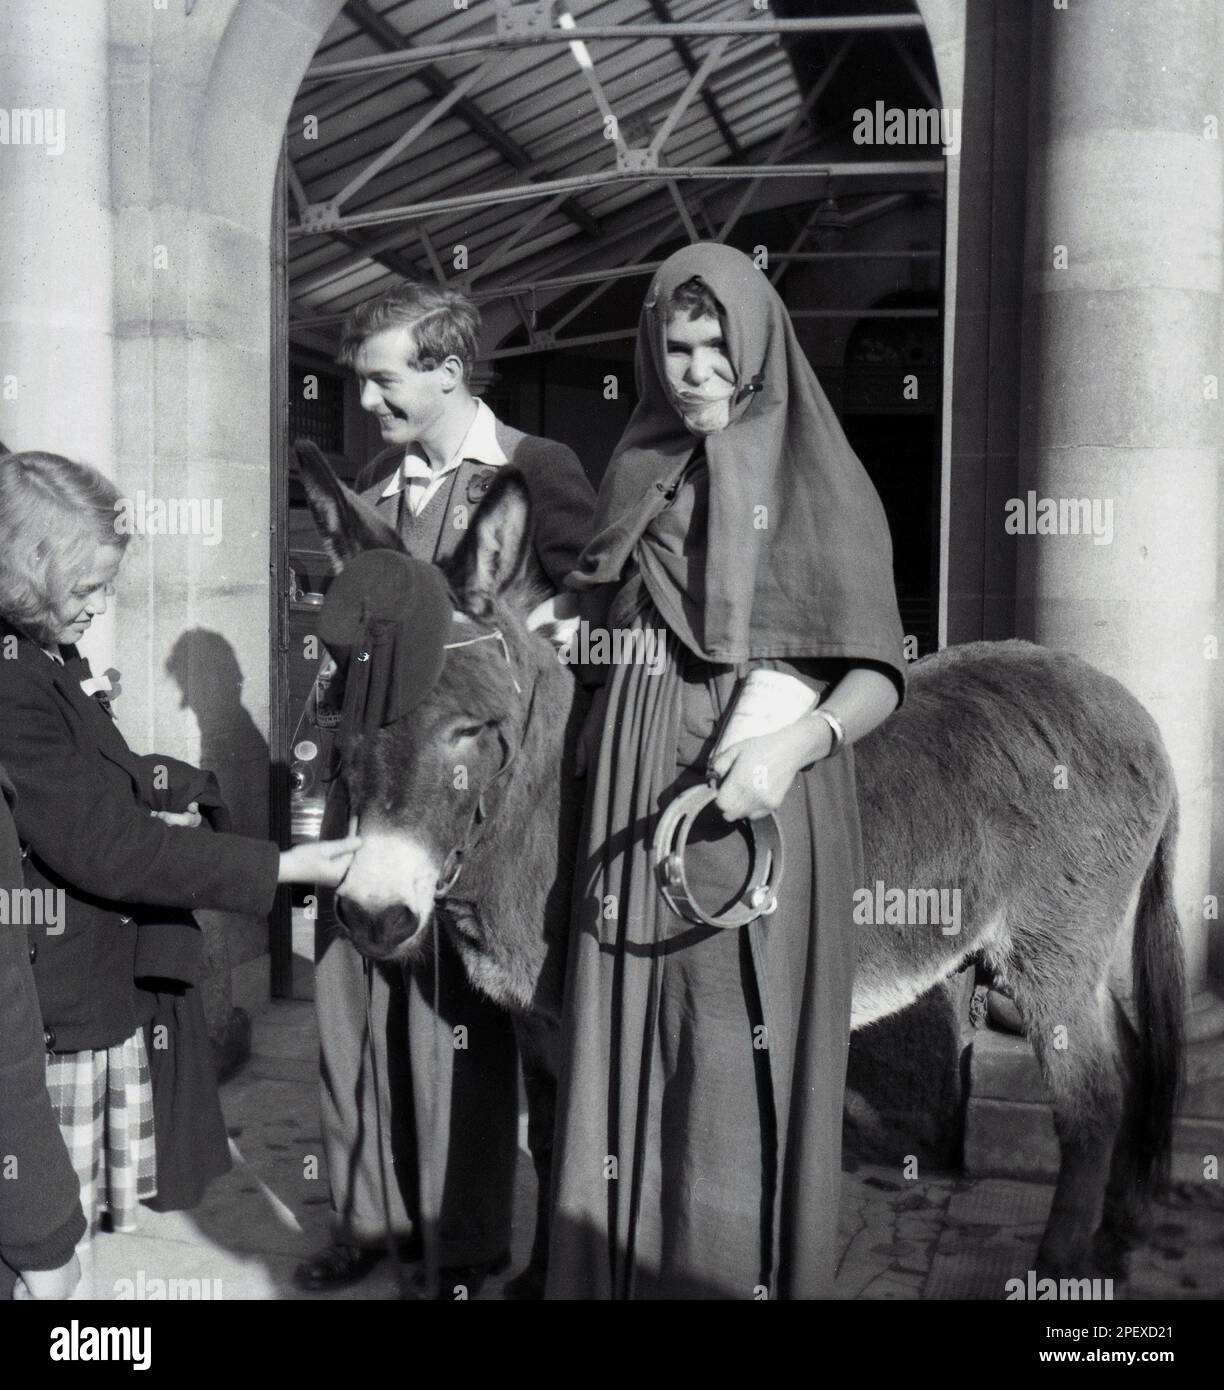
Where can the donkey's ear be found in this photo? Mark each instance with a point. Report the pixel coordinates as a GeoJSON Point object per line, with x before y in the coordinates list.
{"type": "Point", "coordinates": [347, 524]}
{"type": "Point", "coordinates": [492, 554]}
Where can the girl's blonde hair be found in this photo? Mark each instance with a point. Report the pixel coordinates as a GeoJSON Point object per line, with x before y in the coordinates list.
{"type": "Point", "coordinates": [53, 516]}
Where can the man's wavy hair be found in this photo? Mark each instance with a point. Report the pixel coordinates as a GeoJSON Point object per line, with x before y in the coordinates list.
{"type": "Point", "coordinates": [444, 324]}
{"type": "Point", "coordinates": [53, 516]}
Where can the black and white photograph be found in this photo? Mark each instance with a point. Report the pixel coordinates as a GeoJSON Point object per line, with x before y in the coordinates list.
{"type": "Point", "coordinates": [610, 666]}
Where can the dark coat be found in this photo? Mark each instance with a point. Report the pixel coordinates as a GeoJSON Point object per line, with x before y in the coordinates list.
{"type": "Point", "coordinates": [83, 817]}
{"type": "Point", "coordinates": [40, 1203]}
{"type": "Point", "coordinates": [562, 500]}
{"type": "Point", "coordinates": [192, 1144]}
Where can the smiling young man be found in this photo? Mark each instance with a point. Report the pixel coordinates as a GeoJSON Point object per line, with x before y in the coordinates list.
{"type": "Point", "coordinates": [392, 1125]}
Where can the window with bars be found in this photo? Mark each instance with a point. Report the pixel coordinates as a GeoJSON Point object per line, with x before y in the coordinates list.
{"type": "Point", "coordinates": [316, 405]}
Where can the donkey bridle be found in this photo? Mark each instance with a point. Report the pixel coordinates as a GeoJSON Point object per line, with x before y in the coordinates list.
{"type": "Point", "coordinates": [452, 865]}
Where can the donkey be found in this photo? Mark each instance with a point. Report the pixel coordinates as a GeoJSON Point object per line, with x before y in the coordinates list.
{"type": "Point", "coordinates": [1035, 784]}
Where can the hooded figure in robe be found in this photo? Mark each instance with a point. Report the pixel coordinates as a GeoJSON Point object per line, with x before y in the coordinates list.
{"type": "Point", "coordinates": [698, 1148]}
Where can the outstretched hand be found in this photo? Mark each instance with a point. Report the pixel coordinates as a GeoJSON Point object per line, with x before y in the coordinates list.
{"type": "Point", "coordinates": [322, 862]}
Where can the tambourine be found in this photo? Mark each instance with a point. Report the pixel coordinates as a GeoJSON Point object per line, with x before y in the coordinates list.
{"type": "Point", "coordinates": [759, 897]}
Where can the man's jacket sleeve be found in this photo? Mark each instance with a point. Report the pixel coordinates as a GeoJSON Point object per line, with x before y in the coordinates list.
{"type": "Point", "coordinates": [563, 509]}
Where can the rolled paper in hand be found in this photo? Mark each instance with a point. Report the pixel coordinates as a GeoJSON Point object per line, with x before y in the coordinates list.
{"type": "Point", "coordinates": [767, 701]}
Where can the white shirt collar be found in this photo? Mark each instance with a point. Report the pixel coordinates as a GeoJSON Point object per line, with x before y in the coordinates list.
{"type": "Point", "coordinates": [479, 444]}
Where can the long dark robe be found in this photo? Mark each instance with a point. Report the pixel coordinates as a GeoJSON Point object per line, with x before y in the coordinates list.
{"type": "Point", "coordinates": [699, 1125]}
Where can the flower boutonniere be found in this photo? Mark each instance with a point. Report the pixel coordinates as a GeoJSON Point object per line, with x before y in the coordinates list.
{"type": "Point", "coordinates": [103, 688]}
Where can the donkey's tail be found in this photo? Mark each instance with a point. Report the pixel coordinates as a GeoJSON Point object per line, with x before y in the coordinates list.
{"type": "Point", "coordinates": [1159, 993]}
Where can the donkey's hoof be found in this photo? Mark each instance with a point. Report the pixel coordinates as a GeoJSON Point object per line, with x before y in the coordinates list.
{"type": "Point", "coordinates": [525, 1287]}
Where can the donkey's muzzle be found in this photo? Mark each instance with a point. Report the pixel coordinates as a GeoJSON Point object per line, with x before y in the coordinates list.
{"type": "Point", "coordinates": [382, 934]}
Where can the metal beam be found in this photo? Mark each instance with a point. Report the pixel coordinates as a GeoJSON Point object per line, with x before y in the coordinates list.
{"type": "Point", "coordinates": [647, 76]}
{"type": "Point", "coordinates": [784, 261]}
{"type": "Point", "coordinates": [663, 33]}
{"type": "Point", "coordinates": [932, 313]}
{"type": "Point", "coordinates": [834, 169]}
{"type": "Point", "coordinates": [922, 81]}
{"type": "Point", "coordinates": [587, 68]}
{"type": "Point", "coordinates": [528, 224]}
{"type": "Point", "coordinates": [616, 335]}
{"type": "Point", "coordinates": [369, 249]}
{"type": "Point", "coordinates": [796, 121]}
{"type": "Point", "coordinates": [651, 215]}
{"type": "Point", "coordinates": [296, 187]}
{"type": "Point", "coordinates": [550, 276]}
{"type": "Point", "coordinates": [432, 256]}
{"type": "Point", "coordinates": [374, 249]}
{"type": "Point", "coordinates": [686, 217]}
{"type": "Point", "coordinates": [598, 277]}
{"type": "Point", "coordinates": [527, 320]}
{"type": "Point", "coordinates": [586, 340]}
{"type": "Point", "coordinates": [604, 279]}
{"type": "Point", "coordinates": [695, 84]}
{"type": "Point", "coordinates": [398, 47]}
{"type": "Point", "coordinates": [684, 52]}
{"type": "Point", "coordinates": [410, 136]}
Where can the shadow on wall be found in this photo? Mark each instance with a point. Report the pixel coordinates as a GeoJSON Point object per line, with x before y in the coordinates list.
{"type": "Point", "coordinates": [205, 668]}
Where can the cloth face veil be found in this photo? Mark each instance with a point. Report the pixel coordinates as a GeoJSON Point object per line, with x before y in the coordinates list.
{"type": "Point", "coordinates": [798, 556]}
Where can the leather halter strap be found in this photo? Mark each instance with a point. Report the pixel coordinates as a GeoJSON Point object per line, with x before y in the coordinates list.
{"type": "Point", "coordinates": [452, 865]}
{"type": "Point", "coordinates": [759, 897]}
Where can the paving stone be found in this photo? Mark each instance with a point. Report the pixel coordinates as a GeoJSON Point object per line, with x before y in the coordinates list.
{"type": "Point", "coordinates": [991, 1235]}
{"type": "Point", "coordinates": [937, 1236]}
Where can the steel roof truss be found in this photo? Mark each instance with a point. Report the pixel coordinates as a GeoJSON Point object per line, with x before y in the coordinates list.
{"type": "Point", "coordinates": [685, 53]}
{"type": "Point", "coordinates": [517, 193]}
{"type": "Point", "coordinates": [686, 217]}
{"type": "Point", "coordinates": [695, 84]}
{"type": "Point", "coordinates": [413, 133]}
{"type": "Point", "coordinates": [795, 124]}
{"type": "Point", "coordinates": [528, 224]}
{"type": "Point", "coordinates": [663, 33]}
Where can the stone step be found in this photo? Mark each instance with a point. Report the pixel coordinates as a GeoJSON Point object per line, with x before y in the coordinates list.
{"type": "Point", "coordinates": [1009, 1129]}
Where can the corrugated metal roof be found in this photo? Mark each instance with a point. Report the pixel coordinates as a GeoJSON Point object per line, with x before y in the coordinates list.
{"type": "Point", "coordinates": [533, 108]}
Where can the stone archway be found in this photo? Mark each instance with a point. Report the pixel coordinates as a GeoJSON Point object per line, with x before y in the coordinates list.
{"type": "Point", "coordinates": [191, 336]}
{"type": "Point", "coordinates": [198, 106]}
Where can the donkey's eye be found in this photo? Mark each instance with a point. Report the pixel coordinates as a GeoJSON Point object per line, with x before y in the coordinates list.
{"type": "Point", "coordinates": [462, 731]}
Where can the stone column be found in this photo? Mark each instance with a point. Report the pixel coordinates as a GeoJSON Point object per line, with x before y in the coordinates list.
{"type": "Point", "coordinates": [1120, 341]}
{"type": "Point", "coordinates": [56, 239]}
{"type": "Point", "coordinates": [200, 96]}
